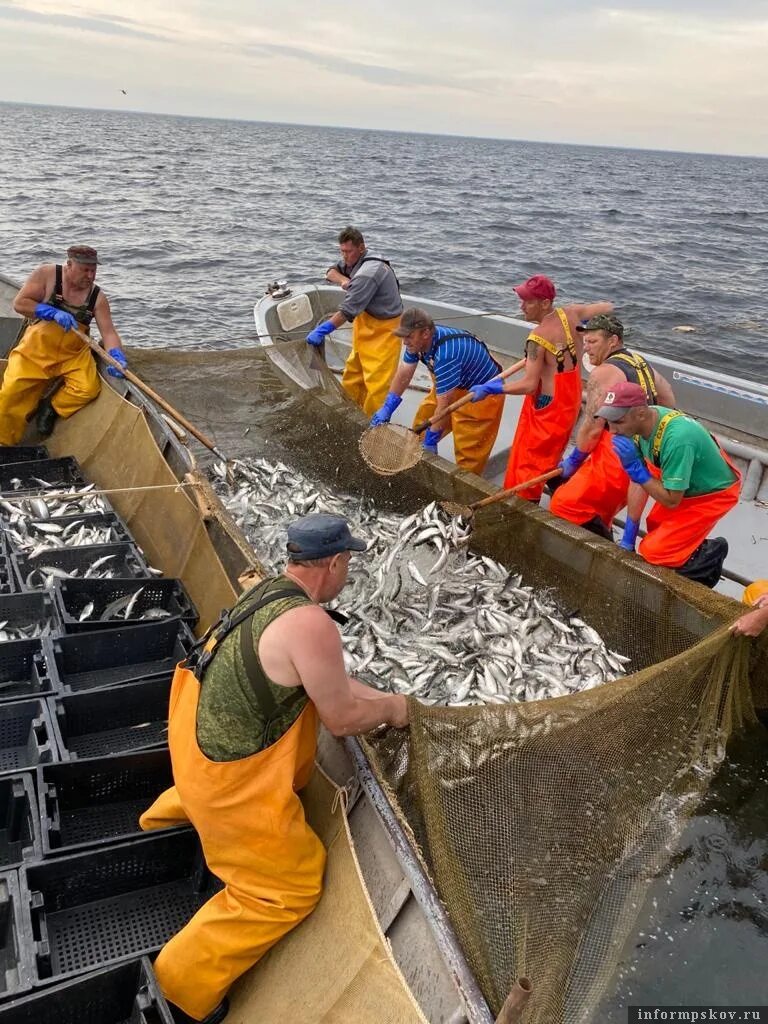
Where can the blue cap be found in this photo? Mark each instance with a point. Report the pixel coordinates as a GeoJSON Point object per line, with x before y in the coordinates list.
{"type": "Point", "coordinates": [320, 535]}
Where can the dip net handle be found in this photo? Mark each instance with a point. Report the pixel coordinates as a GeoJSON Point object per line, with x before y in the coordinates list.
{"type": "Point", "coordinates": [510, 370]}
{"type": "Point", "coordinates": [454, 508]}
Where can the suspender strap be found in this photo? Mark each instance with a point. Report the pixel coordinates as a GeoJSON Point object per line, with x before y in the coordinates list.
{"type": "Point", "coordinates": [659, 435]}
{"type": "Point", "coordinates": [379, 259]}
{"type": "Point", "coordinates": [91, 303]}
{"type": "Point", "coordinates": [270, 708]}
{"type": "Point", "coordinates": [549, 346]}
{"type": "Point", "coordinates": [644, 373]}
{"type": "Point", "coordinates": [59, 286]}
{"type": "Point", "coordinates": [458, 336]}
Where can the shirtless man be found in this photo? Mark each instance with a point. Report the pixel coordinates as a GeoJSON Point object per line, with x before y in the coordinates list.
{"type": "Point", "coordinates": [595, 483]}
{"type": "Point", "coordinates": [57, 300]}
{"type": "Point", "coordinates": [551, 383]}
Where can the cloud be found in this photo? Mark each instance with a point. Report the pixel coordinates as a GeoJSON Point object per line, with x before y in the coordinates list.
{"type": "Point", "coordinates": [112, 26]}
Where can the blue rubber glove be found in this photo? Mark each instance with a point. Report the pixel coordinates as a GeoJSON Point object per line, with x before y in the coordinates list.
{"type": "Point", "coordinates": [430, 440]}
{"type": "Point", "coordinates": [572, 462]}
{"type": "Point", "coordinates": [119, 356]}
{"type": "Point", "coordinates": [384, 414]}
{"type": "Point", "coordinates": [495, 386]}
{"type": "Point", "coordinates": [321, 332]}
{"type": "Point", "coordinates": [629, 536]}
{"type": "Point", "coordinates": [631, 459]}
{"type": "Point", "coordinates": [60, 316]}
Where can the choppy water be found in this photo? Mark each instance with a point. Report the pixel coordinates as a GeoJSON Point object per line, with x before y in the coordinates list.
{"type": "Point", "coordinates": [194, 216]}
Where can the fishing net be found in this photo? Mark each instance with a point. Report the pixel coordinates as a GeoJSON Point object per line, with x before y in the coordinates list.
{"type": "Point", "coordinates": [390, 448]}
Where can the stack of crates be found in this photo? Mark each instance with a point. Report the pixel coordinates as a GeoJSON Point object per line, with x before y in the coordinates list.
{"type": "Point", "coordinates": [86, 660]}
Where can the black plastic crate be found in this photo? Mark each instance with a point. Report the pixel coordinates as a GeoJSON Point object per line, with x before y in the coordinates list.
{"type": "Point", "coordinates": [112, 657]}
{"type": "Point", "coordinates": [98, 801]}
{"type": "Point", "coordinates": [8, 584]}
{"type": "Point", "coordinates": [26, 670]}
{"type": "Point", "coordinates": [26, 476]}
{"type": "Point", "coordinates": [112, 530]}
{"type": "Point", "coordinates": [101, 722]}
{"type": "Point", "coordinates": [102, 906]}
{"type": "Point", "coordinates": [124, 560]}
{"type": "Point", "coordinates": [73, 596]}
{"type": "Point", "coordinates": [19, 822]}
{"type": "Point", "coordinates": [22, 453]}
{"type": "Point", "coordinates": [26, 735]}
{"type": "Point", "coordinates": [125, 994]}
{"type": "Point", "coordinates": [84, 502]}
{"type": "Point", "coordinates": [15, 939]}
{"type": "Point", "coordinates": [30, 611]}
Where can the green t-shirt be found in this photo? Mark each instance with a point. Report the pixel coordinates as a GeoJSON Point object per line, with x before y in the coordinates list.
{"type": "Point", "coordinates": [690, 459]}
{"type": "Point", "coordinates": [230, 722]}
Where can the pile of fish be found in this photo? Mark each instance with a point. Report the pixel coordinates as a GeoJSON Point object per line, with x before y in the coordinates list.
{"type": "Point", "coordinates": [121, 609]}
{"type": "Point", "coordinates": [77, 501]}
{"type": "Point", "coordinates": [31, 537]}
{"type": "Point", "coordinates": [98, 569]}
{"type": "Point", "coordinates": [427, 617]}
{"type": "Point", "coordinates": [26, 632]}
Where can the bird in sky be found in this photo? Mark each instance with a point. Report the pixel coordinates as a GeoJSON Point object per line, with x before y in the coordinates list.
{"type": "Point", "coordinates": [123, 92]}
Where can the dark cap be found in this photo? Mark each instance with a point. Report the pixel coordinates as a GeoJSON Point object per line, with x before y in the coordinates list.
{"type": "Point", "coordinates": [320, 535]}
{"type": "Point", "coordinates": [537, 287]}
{"type": "Point", "coordinates": [617, 402]}
{"type": "Point", "coordinates": [413, 320]}
{"type": "Point", "coordinates": [603, 322]}
{"type": "Point", "coordinates": [83, 254]}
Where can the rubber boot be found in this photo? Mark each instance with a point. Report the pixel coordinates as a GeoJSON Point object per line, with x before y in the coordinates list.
{"type": "Point", "coordinates": [214, 1017]}
{"type": "Point", "coordinates": [45, 418]}
{"type": "Point", "coordinates": [706, 563]}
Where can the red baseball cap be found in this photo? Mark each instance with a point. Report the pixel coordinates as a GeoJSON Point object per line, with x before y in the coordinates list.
{"type": "Point", "coordinates": [623, 397]}
{"type": "Point", "coordinates": [536, 287]}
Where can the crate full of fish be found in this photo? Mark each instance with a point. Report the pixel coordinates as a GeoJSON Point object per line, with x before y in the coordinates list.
{"type": "Point", "coordinates": [26, 735]}
{"type": "Point", "coordinates": [85, 605]}
{"type": "Point", "coordinates": [28, 616]}
{"type": "Point", "coordinates": [19, 821]}
{"type": "Point", "coordinates": [111, 657]}
{"type": "Point", "coordinates": [27, 669]}
{"type": "Point", "coordinates": [40, 475]}
{"type": "Point", "coordinates": [93, 802]}
{"type": "Point", "coordinates": [99, 561]}
{"type": "Point", "coordinates": [16, 967]}
{"type": "Point", "coordinates": [99, 723]}
{"type": "Point", "coordinates": [87, 910]}
{"type": "Point", "coordinates": [30, 538]}
{"type": "Point", "coordinates": [11, 453]}
{"type": "Point", "coordinates": [69, 501]}
{"type": "Point", "coordinates": [127, 993]}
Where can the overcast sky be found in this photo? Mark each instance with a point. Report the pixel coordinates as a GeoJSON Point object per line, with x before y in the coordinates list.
{"type": "Point", "coordinates": [685, 74]}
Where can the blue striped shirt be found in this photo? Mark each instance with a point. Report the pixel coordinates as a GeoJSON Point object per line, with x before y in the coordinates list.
{"type": "Point", "coordinates": [456, 359]}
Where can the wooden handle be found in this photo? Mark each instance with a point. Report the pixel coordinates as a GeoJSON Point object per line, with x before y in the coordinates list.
{"type": "Point", "coordinates": [514, 1004]}
{"type": "Point", "coordinates": [158, 399]}
{"type": "Point", "coordinates": [501, 495]}
{"type": "Point", "coordinates": [515, 368]}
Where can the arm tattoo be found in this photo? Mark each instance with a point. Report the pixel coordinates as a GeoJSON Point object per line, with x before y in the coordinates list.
{"type": "Point", "coordinates": [595, 396]}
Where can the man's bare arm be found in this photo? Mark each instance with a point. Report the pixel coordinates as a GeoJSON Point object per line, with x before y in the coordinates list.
{"type": "Point", "coordinates": [103, 316]}
{"type": "Point", "coordinates": [334, 276]}
{"type": "Point", "coordinates": [33, 291]}
{"type": "Point", "coordinates": [585, 311]}
{"type": "Point", "coordinates": [636, 501]}
{"type": "Point", "coordinates": [403, 377]}
{"type": "Point", "coordinates": [665, 497]}
{"type": "Point", "coordinates": [590, 429]}
{"type": "Point", "coordinates": [319, 663]}
{"type": "Point", "coordinates": [534, 367]}
{"type": "Point", "coordinates": [664, 390]}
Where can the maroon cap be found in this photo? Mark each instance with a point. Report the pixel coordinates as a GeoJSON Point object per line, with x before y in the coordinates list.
{"type": "Point", "coordinates": [83, 254]}
{"type": "Point", "coordinates": [625, 395]}
{"type": "Point", "coordinates": [537, 287]}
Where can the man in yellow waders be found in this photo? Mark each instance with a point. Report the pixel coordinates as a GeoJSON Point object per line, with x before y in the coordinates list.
{"type": "Point", "coordinates": [373, 305]}
{"type": "Point", "coordinates": [55, 299]}
{"type": "Point", "coordinates": [457, 361]}
{"type": "Point", "coordinates": [242, 734]}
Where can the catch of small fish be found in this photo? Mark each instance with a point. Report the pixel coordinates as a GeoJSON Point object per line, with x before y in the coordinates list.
{"type": "Point", "coordinates": [78, 501]}
{"type": "Point", "coordinates": [427, 617]}
{"type": "Point", "coordinates": [27, 632]}
{"type": "Point", "coordinates": [122, 609]}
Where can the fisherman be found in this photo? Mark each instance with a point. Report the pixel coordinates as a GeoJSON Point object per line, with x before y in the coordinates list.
{"type": "Point", "coordinates": [674, 460]}
{"type": "Point", "coordinates": [242, 735]}
{"type": "Point", "coordinates": [457, 360]}
{"type": "Point", "coordinates": [56, 300]}
{"type": "Point", "coordinates": [595, 483]}
{"type": "Point", "coordinates": [753, 622]}
{"type": "Point", "coordinates": [551, 383]}
{"type": "Point", "coordinates": [372, 304]}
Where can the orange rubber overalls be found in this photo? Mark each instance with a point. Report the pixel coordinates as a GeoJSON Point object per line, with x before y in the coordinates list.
{"type": "Point", "coordinates": [372, 363]}
{"type": "Point", "coordinates": [255, 839]}
{"type": "Point", "coordinates": [599, 487]}
{"type": "Point", "coordinates": [47, 351]}
{"type": "Point", "coordinates": [542, 434]}
{"type": "Point", "coordinates": [673, 534]}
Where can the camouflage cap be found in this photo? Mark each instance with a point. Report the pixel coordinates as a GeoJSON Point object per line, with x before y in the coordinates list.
{"type": "Point", "coordinates": [413, 319]}
{"type": "Point", "coordinates": [603, 322]}
{"type": "Point", "coordinates": [83, 254]}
